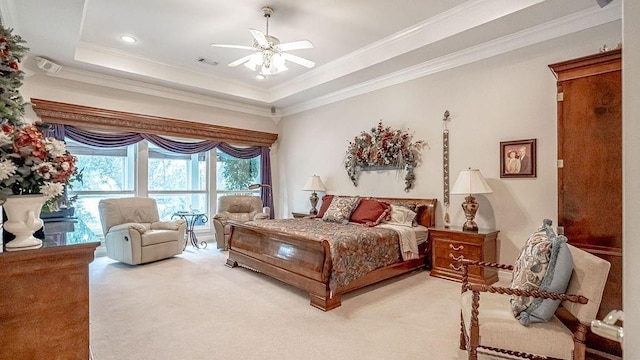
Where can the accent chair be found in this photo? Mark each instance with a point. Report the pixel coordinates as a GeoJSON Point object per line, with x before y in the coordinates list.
{"type": "Point", "coordinates": [487, 320]}
{"type": "Point", "coordinates": [240, 208]}
{"type": "Point", "coordinates": [134, 233]}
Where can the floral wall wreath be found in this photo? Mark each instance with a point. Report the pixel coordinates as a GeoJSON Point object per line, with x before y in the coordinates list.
{"type": "Point", "coordinates": [383, 147]}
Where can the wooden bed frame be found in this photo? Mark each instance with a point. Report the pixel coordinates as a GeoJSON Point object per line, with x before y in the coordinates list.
{"type": "Point", "coordinates": [306, 264]}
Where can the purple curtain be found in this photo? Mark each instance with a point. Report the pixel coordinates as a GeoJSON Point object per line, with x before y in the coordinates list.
{"type": "Point", "coordinates": [110, 140]}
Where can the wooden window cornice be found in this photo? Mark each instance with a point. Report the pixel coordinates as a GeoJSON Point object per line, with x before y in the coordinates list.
{"type": "Point", "coordinates": [91, 118]}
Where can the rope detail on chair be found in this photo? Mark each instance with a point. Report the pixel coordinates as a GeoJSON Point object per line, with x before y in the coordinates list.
{"type": "Point", "coordinates": [530, 293]}
{"type": "Point", "coordinates": [467, 262]}
{"type": "Point", "coordinates": [515, 353]}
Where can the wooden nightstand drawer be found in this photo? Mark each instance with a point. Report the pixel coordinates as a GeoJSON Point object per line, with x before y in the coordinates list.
{"type": "Point", "coordinates": [451, 245]}
{"type": "Point", "coordinates": [453, 250]}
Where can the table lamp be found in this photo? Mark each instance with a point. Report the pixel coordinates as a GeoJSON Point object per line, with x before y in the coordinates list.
{"type": "Point", "coordinates": [314, 184]}
{"type": "Point", "coordinates": [470, 182]}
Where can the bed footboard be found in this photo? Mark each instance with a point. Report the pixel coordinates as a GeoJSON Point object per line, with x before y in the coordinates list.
{"type": "Point", "coordinates": [296, 261]}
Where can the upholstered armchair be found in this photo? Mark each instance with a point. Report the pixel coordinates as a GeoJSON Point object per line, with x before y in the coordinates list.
{"type": "Point", "coordinates": [133, 231]}
{"type": "Point", "coordinates": [240, 208]}
{"type": "Point", "coordinates": [488, 322]}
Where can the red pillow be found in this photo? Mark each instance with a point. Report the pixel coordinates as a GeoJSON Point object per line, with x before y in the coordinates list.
{"type": "Point", "coordinates": [326, 201]}
{"type": "Point", "coordinates": [370, 212]}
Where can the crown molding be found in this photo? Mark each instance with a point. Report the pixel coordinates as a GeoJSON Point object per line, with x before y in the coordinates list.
{"type": "Point", "coordinates": [585, 19]}
{"type": "Point", "coordinates": [461, 18]}
{"type": "Point", "coordinates": [89, 77]}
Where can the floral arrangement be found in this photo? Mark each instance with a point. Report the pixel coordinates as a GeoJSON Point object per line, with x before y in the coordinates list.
{"type": "Point", "coordinates": [30, 163]}
{"type": "Point", "coordinates": [33, 164]}
{"type": "Point", "coordinates": [383, 147]}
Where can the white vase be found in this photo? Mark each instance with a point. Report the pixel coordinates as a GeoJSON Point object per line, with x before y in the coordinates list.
{"type": "Point", "coordinates": [23, 219]}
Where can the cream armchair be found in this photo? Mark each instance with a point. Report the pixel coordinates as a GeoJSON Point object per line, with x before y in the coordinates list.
{"type": "Point", "coordinates": [134, 233]}
{"type": "Point", "coordinates": [239, 208]}
{"type": "Point", "coordinates": [487, 321]}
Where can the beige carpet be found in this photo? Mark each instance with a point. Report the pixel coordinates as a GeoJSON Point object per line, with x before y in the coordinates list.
{"type": "Point", "coordinates": [193, 307]}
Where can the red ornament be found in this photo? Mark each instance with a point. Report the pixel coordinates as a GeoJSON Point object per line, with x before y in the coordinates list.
{"type": "Point", "coordinates": [13, 65]}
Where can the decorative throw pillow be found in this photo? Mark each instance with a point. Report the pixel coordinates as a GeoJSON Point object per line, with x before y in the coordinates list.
{"type": "Point", "coordinates": [401, 215]}
{"type": "Point", "coordinates": [340, 209]}
{"type": "Point", "coordinates": [370, 212]}
{"type": "Point", "coordinates": [545, 263]}
{"type": "Point", "coordinates": [326, 201]}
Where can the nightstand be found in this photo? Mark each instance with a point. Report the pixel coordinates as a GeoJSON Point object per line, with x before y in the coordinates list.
{"type": "Point", "coordinates": [298, 215]}
{"type": "Point", "coordinates": [452, 244]}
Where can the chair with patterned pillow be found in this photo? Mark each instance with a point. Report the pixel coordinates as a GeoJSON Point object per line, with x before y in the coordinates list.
{"type": "Point", "coordinates": [488, 322]}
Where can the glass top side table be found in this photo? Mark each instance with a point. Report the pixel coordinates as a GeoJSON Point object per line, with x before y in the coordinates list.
{"type": "Point", "coordinates": [191, 218]}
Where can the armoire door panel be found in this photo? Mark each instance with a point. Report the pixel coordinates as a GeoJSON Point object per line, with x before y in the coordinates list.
{"type": "Point", "coordinates": [590, 179]}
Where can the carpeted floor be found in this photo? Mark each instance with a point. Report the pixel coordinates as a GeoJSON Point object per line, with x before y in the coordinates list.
{"type": "Point", "coordinates": [193, 307]}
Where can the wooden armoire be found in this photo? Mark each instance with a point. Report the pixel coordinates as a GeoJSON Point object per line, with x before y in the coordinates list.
{"type": "Point", "coordinates": [590, 170]}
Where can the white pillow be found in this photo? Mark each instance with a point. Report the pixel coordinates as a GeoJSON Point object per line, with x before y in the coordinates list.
{"type": "Point", "coordinates": [401, 215]}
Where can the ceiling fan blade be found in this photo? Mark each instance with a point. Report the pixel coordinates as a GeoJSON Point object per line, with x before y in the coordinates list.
{"type": "Point", "coordinates": [298, 60]}
{"type": "Point", "coordinates": [260, 38]}
{"type": "Point", "coordinates": [231, 46]}
{"type": "Point", "coordinates": [295, 45]}
{"type": "Point", "coordinates": [241, 60]}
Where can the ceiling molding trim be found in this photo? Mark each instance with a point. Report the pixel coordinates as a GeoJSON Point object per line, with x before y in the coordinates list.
{"type": "Point", "coordinates": [112, 120]}
{"type": "Point", "coordinates": [123, 61]}
{"type": "Point", "coordinates": [140, 87]}
{"type": "Point", "coordinates": [449, 23]}
{"type": "Point", "coordinates": [553, 29]}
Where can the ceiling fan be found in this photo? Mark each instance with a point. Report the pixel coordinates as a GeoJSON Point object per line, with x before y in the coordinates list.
{"type": "Point", "coordinates": [269, 55]}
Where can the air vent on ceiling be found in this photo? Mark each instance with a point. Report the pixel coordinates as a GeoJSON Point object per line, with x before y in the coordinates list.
{"type": "Point", "coordinates": [207, 61]}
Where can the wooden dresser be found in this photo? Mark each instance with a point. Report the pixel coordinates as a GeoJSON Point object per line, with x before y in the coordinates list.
{"type": "Point", "coordinates": [452, 244]}
{"type": "Point", "coordinates": [44, 302]}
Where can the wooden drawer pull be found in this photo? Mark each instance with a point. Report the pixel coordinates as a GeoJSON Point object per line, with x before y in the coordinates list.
{"type": "Point", "coordinates": [456, 268]}
{"type": "Point", "coordinates": [456, 248]}
{"type": "Point", "coordinates": [456, 258]}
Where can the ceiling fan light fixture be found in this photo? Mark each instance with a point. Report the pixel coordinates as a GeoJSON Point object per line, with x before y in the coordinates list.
{"type": "Point", "coordinates": [270, 55]}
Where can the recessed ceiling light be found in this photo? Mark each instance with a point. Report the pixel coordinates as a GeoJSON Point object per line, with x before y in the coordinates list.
{"type": "Point", "coordinates": [260, 77]}
{"type": "Point", "coordinates": [128, 38]}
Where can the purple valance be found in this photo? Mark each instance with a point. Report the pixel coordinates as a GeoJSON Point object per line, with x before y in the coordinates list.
{"type": "Point", "coordinates": [111, 140]}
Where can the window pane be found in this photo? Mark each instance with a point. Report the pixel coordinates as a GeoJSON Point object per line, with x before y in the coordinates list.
{"type": "Point", "coordinates": [103, 169]}
{"type": "Point", "coordinates": [172, 171]}
{"type": "Point", "coordinates": [106, 173]}
{"type": "Point", "coordinates": [236, 174]}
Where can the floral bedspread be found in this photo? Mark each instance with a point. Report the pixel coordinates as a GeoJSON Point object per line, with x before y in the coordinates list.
{"type": "Point", "coordinates": [355, 249]}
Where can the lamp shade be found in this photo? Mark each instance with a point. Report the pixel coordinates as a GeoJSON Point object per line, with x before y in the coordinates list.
{"type": "Point", "coordinates": [314, 184]}
{"type": "Point", "coordinates": [471, 181]}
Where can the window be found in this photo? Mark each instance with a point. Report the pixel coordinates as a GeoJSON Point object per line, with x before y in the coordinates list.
{"type": "Point", "coordinates": [177, 181]}
{"type": "Point", "coordinates": [106, 173]}
{"type": "Point", "coordinates": [233, 175]}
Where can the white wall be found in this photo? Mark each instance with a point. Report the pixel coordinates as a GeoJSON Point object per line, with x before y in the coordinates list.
{"type": "Point", "coordinates": [631, 175]}
{"type": "Point", "coordinates": [508, 97]}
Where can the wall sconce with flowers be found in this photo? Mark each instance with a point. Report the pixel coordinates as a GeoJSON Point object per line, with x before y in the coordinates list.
{"type": "Point", "coordinates": [383, 148]}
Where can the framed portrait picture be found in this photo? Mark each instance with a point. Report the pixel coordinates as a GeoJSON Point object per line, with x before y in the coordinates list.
{"type": "Point", "coordinates": [518, 159]}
